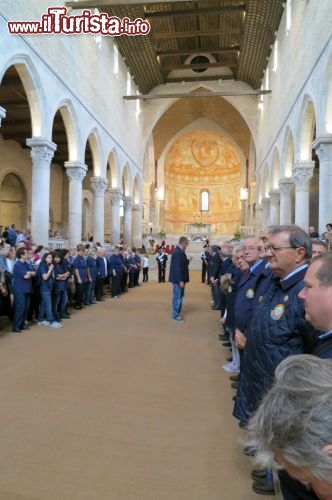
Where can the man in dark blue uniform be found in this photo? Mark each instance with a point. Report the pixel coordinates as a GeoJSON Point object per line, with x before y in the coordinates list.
{"type": "Point", "coordinates": [179, 276]}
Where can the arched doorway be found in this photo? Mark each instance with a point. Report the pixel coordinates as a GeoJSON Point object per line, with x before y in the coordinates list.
{"type": "Point", "coordinates": [13, 202]}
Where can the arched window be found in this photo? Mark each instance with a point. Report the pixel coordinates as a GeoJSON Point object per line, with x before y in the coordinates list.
{"type": "Point", "coordinates": [204, 201]}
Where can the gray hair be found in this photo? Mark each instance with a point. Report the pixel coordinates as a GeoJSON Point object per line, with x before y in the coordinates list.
{"type": "Point", "coordinates": [237, 248]}
{"type": "Point", "coordinates": [297, 237]}
{"type": "Point", "coordinates": [294, 417]}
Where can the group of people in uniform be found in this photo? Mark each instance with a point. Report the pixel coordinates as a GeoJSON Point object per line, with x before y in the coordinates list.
{"type": "Point", "coordinates": [262, 288]}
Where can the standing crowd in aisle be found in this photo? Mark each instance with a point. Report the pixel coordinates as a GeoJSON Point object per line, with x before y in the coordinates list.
{"type": "Point", "coordinates": [41, 285]}
{"type": "Point", "coordinates": [261, 287]}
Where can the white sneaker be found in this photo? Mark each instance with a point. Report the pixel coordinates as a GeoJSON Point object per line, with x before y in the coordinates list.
{"type": "Point", "coordinates": [56, 324]}
{"type": "Point", "coordinates": [43, 323]}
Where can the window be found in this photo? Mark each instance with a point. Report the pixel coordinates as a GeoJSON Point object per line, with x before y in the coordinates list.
{"type": "Point", "coordinates": [205, 201]}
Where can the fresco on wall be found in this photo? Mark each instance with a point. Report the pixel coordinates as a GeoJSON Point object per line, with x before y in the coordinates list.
{"type": "Point", "coordinates": [202, 160]}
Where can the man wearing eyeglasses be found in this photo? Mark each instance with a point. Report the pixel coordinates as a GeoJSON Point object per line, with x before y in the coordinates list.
{"type": "Point", "coordinates": [247, 289]}
{"type": "Point", "coordinates": [278, 328]}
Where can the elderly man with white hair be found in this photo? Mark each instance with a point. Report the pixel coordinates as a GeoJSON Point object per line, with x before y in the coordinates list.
{"type": "Point", "coordinates": [292, 429]}
{"type": "Point", "coordinates": [317, 297]}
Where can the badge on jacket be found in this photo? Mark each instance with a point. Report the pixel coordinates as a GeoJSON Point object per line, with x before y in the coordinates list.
{"type": "Point", "coordinates": [278, 311]}
{"type": "Point", "coordinates": [250, 293]}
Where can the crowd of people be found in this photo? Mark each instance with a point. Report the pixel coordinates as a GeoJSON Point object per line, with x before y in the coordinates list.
{"type": "Point", "coordinates": [40, 285]}
{"type": "Point", "coordinates": [274, 294]}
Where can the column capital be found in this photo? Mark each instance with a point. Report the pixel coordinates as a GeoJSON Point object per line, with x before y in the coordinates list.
{"type": "Point", "coordinates": [115, 195]}
{"type": "Point", "coordinates": [265, 202]}
{"type": "Point", "coordinates": [274, 197]}
{"type": "Point", "coordinates": [2, 114]}
{"type": "Point", "coordinates": [128, 201]}
{"type": "Point", "coordinates": [285, 185]}
{"type": "Point", "coordinates": [42, 151]}
{"type": "Point", "coordinates": [323, 147]}
{"type": "Point", "coordinates": [75, 170]}
{"type": "Point", "coordinates": [302, 172]}
{"type": "Point", "coordinates": [258, 207]}
{"type": "Point", "coordinates": [99, 185]}
{"type": "Point", "coordinates": [136, 207]}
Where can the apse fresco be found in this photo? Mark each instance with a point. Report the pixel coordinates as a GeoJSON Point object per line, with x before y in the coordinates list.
{"type": "Point", "coordinates": [202, 160]}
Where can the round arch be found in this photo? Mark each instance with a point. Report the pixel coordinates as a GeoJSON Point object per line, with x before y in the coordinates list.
{"type": "Point", "coordinates": [288, 159]}
{"type": "Point", "coordinates": [68, 114]}
{"type": "Point", "coordinates": [113, 170]}
{"type": "Point", "coordinates": [33, 89]}
{"type": "Point", "coordinates": [126, 181]}
{"type": "Point", "coordinates": [307, 122]}
{"type": "Point", "coordinates": [276, 170]}
{"type": "Point", "coordinates": [14, 199]}
{"type": "Point", "coordinates": [96, 150]}
{"type": "Point", "coordinates": [137, 190]}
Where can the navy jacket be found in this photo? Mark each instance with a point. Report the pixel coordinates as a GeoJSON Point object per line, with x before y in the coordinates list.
{"type": "Point", "coordinates": [101, 269]}
{"type": "Point", "coordinates": [278, 330]}
{"type": "Point", "coordinates": [20, 284]}
{"type": "Point", "coordinates": [116, 263]}
{"type": "Point", "coordinates": [179, 268]}
{"type": "Point", "coordinates": [245, 297]}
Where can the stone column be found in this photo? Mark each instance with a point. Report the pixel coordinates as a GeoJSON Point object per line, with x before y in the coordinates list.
{"type": "Point", "coordinates": [302, 173]}
{"type": "Point", "coordinates": [285, 187]}
{"type": "Point", "coordinates": [258, 218]}
{"type": "Point", "coordinates": [274, 206]}
{"type": "Point", "coordinates": [116, 196]}
{"type": "Point", "coordinates": [266, 212]}
{"type": "Point", "coordinates": [2, 114]}
{"type": "Point", "coordinates": [99, 185]}
{"type": "Point", "coordinates": [42, 152]}
{"type": "Point", "coordinates": [76, 171]}
{"type": "Point", "coordinates": [323, 148]}
{"type": "Point", "coordinates": [127, 220]}
{"type": "Point", "coordinates": [137, 226]}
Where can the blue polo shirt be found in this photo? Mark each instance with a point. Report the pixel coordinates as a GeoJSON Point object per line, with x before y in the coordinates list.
{"type": "Point", "coordinates": [20, 284]}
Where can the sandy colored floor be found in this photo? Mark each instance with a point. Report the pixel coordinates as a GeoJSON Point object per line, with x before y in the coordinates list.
{"type": "Point", "coordinates": [123, 403]}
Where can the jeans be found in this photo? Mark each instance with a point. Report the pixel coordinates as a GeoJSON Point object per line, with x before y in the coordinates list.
{"type": "Point", "coordinates": [89, 292]}
{"type": "Point", "coordinates": [178, 294]}
{"type": "Point", "coordinates": [45, 308]}
{"type": "Point", "coordinates": [61, 299]}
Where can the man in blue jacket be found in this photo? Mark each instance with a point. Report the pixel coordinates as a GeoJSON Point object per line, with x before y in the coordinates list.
{"type": "Point", "coordinates": [179, 276]}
